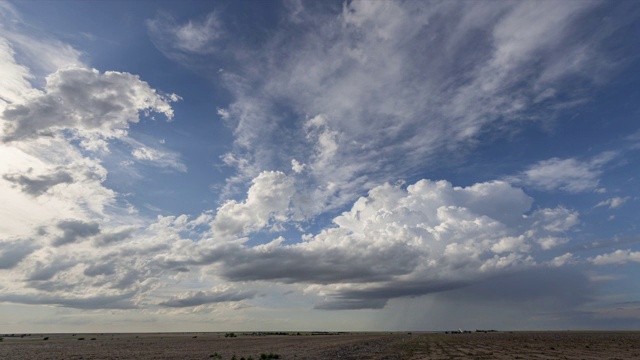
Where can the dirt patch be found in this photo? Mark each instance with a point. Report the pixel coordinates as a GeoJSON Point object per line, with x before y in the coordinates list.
{"type": "Point", "coordinates": [416, 346]}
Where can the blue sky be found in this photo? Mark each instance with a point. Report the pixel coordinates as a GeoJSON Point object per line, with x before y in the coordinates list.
{"type": "Point", "coordinates": [359, 165]}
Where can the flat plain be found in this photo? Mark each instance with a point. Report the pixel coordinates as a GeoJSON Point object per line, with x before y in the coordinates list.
{"type": "Point", "coordinates": [410, 346]}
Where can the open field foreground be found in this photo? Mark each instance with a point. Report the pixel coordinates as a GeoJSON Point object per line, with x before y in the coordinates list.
{"type": "Point", "coordinates": [498, 345]}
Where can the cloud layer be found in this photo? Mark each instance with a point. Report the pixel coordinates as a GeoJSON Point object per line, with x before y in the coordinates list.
{"type": "Point", "coordinates": [328, 110]}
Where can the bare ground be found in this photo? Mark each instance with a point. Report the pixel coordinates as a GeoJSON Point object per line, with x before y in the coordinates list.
{"type": "Point", "coordinates": [417, 346]}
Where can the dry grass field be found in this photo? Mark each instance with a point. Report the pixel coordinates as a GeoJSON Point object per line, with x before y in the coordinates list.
{"type": "Point", "coordinates": [416, 346]}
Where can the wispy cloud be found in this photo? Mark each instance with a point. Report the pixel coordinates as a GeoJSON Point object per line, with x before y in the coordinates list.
{"type": "Point", "coordinates": [614, 202]}
{"type": "Point", "coordinates": [570, 175]}
{"type": "Point", "coordinates": [452, 84]}
{"type": "Point", "coordinates": [180, 41]}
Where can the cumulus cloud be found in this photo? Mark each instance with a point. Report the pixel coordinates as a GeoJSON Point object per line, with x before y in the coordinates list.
{"type": "Point", "coordinates": [393, 242]}
{"type": "Point", "coordinates": [550, 242]}
{"type": "Point", "coordinates": [562, 260]}
{"type": "Point", "coordinates": [570, 175]}
{"type": "Point", "coordinates": [617, 257]}
{"type": "Point", "coordinates": [267, 203]}
{"type": "Point", "coordinates": [85, 100]}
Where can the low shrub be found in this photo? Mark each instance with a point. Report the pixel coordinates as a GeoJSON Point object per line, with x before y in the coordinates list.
{"type": "Point", "coordinates": [269, 356]}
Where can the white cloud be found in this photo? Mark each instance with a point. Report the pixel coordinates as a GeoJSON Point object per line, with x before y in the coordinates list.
{"type": "Point", "coordinates": [47, 180]}
{"type": "Point", "coordinates": [511, 244]}
{"type": "Point", "coordinates": [160, 158]}
{"type": "Point", "coordinates": [551, 242]}
{"type": "Point", "coordinates": [179, 41]}
{"type": "Point", "coordinates": [617, 257]}
{"type": "Point", "coordinates": [296, 166]}
{"type": "Point", "coordinates": [570, 175]}
{"type": "Point", "coordinates": [15, 86]}
{"type": "Point", "coordinates": [554, 220]}
{"type": "Point", "coordinates": [267, 203]}
{"type": "Point", "coordinates": [614, 202]}
{"type": "Point", "coordinates": [324, 139]}
{"type": "Point", "coordinates": [562, 260]}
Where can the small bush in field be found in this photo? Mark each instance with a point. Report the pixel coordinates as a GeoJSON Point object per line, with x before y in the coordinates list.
{"type": "Point", "coordinates": [269, 356]}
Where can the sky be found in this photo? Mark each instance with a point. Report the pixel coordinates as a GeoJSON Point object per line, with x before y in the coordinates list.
{"type": "Point", "coordinates": [306, 165]}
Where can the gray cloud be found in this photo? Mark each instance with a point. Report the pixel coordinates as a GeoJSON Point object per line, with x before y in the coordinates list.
{"type": "Point", "coordinates": [376, 297]}
{"type": "Point", "coordinates": [84, 99]}
{"type": "Point", "coordinates": [552, 288]}
{"type": "Point", "coordinates": [74, 230]}
{"type": "Point", "coordinates": [46, 272]}
{"type": "Point", "coordinates": [201, 297]}
{"type": "Point", "coordinates": [351, 304]}
{"type": "Point", "coordinates": [106, 238]}
{"type": "Point", "coordinates": [119, 301]}
{"type": "Point", "coordinates": [105, 268]}
{"type": "Point", "coordinates": [539, 289]}
{"type": "Point", "coordinates": [12, 252]}
{"type": "Point", "coordinates": [323, 266]}
{"type": "Point", "coordinates": [38, 185]}
{"type": "Point", "coordinates": [537, 298]}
